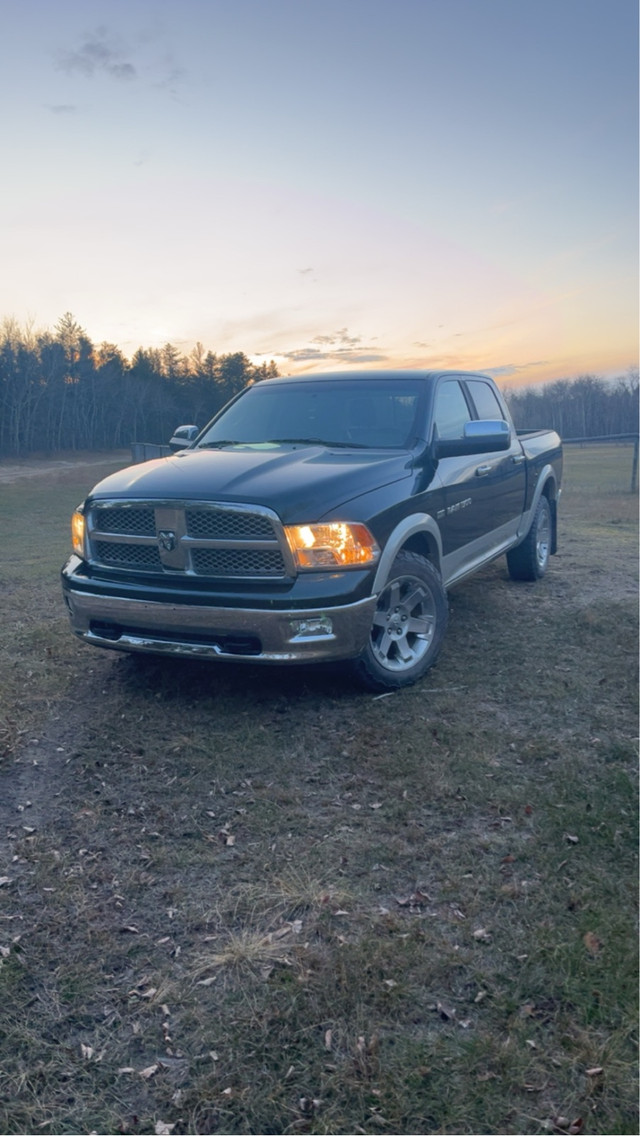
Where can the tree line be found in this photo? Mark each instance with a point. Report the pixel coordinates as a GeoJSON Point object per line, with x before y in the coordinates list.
{"type": "Point", "coordinates": [588, 407]}
{"type": "Point", "coordinates": [60, 392]}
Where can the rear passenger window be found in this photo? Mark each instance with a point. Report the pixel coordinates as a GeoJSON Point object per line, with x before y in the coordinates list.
{"type": "Point", "coordinates": [451, 411]}
{"type": "Point", "coordinates": [485, 400]}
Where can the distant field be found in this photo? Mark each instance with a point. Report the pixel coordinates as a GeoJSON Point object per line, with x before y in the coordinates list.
{"type": "Point", "coordinates": [241, 900]}
{"type": "Point", "coordinates": [600, 468]}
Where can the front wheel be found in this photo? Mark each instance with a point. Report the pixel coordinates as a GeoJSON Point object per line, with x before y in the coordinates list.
{"type": "Point", "coordinates": [530, 560]}
{"type": "Point", "coordinates": [408, 626]}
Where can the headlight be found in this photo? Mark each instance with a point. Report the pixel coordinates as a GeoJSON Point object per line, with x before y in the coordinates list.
{"type": "Point", "coordinates": [333, 545]}
{"type": "Point", "coordinates": [77, 533]}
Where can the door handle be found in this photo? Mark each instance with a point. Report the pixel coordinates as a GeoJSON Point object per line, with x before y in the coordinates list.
{"type": "Point", "coordinates": [483, 470]}
{"type": "Point", "coordinates": [517, 459]}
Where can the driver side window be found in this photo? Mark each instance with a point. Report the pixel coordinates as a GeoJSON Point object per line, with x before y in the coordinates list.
{"type": "Point", "coordinates": [451, 411]}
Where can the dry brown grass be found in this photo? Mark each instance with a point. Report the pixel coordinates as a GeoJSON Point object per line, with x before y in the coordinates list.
{"type": "Point", "coordinates": [237, 900]}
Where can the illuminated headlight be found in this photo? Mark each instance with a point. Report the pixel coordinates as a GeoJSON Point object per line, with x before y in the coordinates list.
{"type": "Point", "coordinates": [77, 533]}
{"type": "Point", "coordinates": [333, 545]}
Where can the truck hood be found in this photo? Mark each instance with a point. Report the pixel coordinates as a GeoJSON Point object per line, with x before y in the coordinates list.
{"type": "Point", "coordinates": [300, 482]}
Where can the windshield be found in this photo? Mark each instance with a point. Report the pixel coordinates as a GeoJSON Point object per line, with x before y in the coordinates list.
{"type": "Point", "coordinates": [379, 414]}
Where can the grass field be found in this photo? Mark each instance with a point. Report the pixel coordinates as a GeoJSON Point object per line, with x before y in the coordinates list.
{"type": "Point", "coordinates": [242, 900]}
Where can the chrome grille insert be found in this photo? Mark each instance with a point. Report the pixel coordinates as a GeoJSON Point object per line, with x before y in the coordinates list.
{"type": "Point", "coordinates": [236, 562]}
{"type": "Point", "coordinates": [143, 557]}
{"type": "Point", "coordinates": [135, 521]}
{"type": "Point", "coordinates": [220, 524]}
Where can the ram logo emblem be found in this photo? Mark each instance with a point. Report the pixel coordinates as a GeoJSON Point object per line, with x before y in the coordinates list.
{"type": "Point", "coordinates": [166, 540]}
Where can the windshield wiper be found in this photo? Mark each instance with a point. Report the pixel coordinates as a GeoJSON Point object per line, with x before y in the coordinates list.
{"type": "Point", "coordinates": [217, 445]}
{"type": "Point", "coordinates": [318, 442]}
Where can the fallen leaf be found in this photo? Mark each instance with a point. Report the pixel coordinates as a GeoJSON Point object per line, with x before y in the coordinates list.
{"type": "Point", "coordinates": [149, 1071]}
{"type": "Point", "coordinates": [482, 935]}
{"type": "Point", "coordinates": [308, 1105]}
{"type": "Point", "coordinates": [162, 1129]}
{"type": "Point", "coordinates": [571, 839]}
{"type": "Point", "coordinates": [569, 1127]}
{"type": "Point", "coordinates": [417, 899]}
{"type": "Point", "coordinates": [596, 1071]}
{"type": "Point", "coordinates": [592, 943]}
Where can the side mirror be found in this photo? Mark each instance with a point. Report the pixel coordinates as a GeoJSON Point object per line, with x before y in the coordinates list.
{"type": "Point", "coordinates": [183, 437]}
{"type": "Point", "coordinates": [482, 437]}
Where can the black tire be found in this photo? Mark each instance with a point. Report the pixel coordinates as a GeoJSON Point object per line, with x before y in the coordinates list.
{"type": "Point", "coordinates": [530, 560]}
{"type": "Point", "coordinates": [408, 626]}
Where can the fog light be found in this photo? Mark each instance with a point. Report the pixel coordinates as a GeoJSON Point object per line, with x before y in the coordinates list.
{"type": "Point", "coordinates": [316, 627]}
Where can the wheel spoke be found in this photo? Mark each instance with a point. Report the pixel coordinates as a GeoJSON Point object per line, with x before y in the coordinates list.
{"type": "Point", "coordinates": [384, 646]}
{"type": "Point", "coordinates": [405, 651]}
{"type": "Point", "coordinates": [420, 625]}
{"type": "Point", "coordinates": [379, 618]}
{"type": "Point", "coordinates": [393, 594]}
{"type": "Point", "coordinates": [415, 596]}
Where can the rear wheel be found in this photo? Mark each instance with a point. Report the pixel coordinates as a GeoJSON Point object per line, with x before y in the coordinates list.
{"type": "Point", "coordinates": [530, 560]}
{"type": "Point", "coordinates": [408, 626]}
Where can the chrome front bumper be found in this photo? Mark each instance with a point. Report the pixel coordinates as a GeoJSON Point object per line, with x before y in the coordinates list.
{"type": "Point", "coordinates": [243, 635]}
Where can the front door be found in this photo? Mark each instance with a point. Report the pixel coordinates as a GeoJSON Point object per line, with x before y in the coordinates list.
{"type": "Point", "coordinates": [484, 493]}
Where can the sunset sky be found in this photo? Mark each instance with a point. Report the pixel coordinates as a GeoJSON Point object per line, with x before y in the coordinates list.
{"type": "Point", "coordinates": [327, 183]}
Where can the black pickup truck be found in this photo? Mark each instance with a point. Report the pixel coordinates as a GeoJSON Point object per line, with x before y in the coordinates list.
{"type": "Point", "coordinates": [316, 518]}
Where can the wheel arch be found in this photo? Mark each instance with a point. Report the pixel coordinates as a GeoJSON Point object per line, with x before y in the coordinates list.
{"type": "Point", "coordinates": [418, 533]}
{"type": "Point", "coordinates": [546, 486]}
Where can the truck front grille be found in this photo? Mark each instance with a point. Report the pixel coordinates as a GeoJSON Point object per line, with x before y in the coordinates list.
{"type": "Point", "coordinates": [236, 542]}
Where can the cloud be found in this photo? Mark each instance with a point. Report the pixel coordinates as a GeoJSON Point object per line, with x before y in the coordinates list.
{"type": "Point", "coordinates": [99, 54]}
{"type": "Point", "coordinates": [508, 369]}
{"type": "Point", "coordinates": [312, 355]}
{"type": "Point", "coordinates": [102, 53]}
{"type": "Point", "coordinates": [338, 339]}
{"type": "Point", "coordinates": [336, 347]}
{"type": "Point", "coordinates": [63, 108]}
